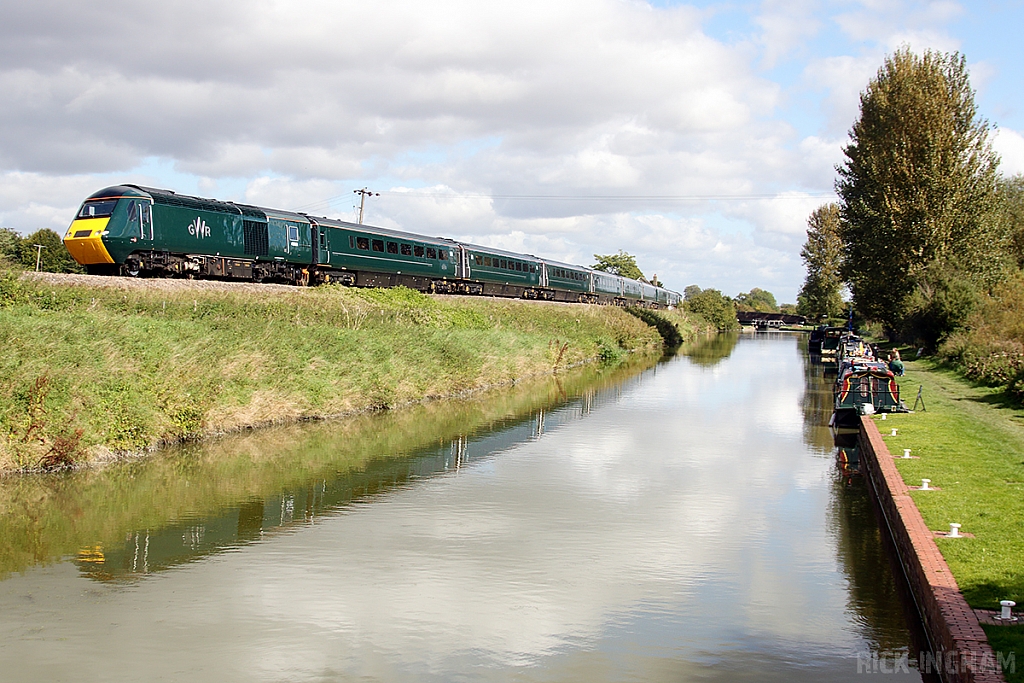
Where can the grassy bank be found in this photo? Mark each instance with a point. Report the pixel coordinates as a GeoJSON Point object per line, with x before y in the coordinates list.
{"type": "Point", "coordinates": [93, 367]}
{"type": "Point", "coordinates": [970, 444]}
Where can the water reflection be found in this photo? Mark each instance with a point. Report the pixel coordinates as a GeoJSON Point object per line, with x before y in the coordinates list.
{"type": "Point", "coordinates": [709, 351]}
{"type": "Point", "coordinates": [143, 516]}
{"type": "Point", "coordinates": [669, 523]}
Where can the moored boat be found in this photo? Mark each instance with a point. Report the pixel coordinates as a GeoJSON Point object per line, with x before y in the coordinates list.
{"type": "Point", "coordinates": [864, 386]}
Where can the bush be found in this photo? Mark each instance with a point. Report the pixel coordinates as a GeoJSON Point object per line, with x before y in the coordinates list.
{"type": "Point", "coordinates": [989, 349]}
{"type": "Point", "coordinates": [716, 308]}
{"type": "Point", "coordinates": [21, 251]}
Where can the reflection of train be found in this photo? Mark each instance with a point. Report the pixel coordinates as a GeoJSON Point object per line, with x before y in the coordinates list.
{"type": "Point", "coordinates": [136, 230]}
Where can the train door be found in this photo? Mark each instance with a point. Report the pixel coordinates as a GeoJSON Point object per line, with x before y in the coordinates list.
{"type": "Point", "coordinates": [146, 220]}
{"type": "Point", "coordinates": [543, 275]}
{"type": "Point", "coordinates": [140, 222]}
{"type": "Point", "coordinates": [464, 270]}
{"type": "Point", "coordinates": [323, 254]}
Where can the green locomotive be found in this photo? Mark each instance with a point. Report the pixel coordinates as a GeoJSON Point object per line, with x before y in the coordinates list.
{"type": "Point", "coordinates": [135, 230]}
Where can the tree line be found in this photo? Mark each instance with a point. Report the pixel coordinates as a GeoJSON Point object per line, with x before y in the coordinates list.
{"type": "Point", "coordinates": [715, 307]}
{"type": "Point", "coordinates": [925, 226]}
{"type": "Point", "coordinates": [927, 238]}
{"type": "Point", "coordinates": [23, 251]}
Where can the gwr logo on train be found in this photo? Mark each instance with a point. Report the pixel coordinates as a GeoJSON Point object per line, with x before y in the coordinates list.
{"type": "Point", "coordinates": [199, 228]}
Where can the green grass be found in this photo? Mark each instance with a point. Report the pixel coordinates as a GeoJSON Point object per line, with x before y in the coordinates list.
{"type": "Point", "coordinates": [970, 444]}
{"type": "Point", "coordinates": [87, 370]}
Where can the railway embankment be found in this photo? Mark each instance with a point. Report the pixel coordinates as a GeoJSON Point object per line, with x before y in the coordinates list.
{"type": "Point", "coordinates": [969, 445]}
{"type": "Point", "coordinates": [94, 368]}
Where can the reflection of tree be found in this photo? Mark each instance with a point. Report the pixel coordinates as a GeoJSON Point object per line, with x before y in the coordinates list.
{"type": "Point", "coordinates": [817, 402]}
{"type": "Point", "coordinates": [876, 583]}
{"type": "Point", "coordinates": [710, 351]}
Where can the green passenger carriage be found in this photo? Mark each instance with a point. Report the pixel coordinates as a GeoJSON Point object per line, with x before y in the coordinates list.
{"type": "Point", "coordinates": [136, 230]}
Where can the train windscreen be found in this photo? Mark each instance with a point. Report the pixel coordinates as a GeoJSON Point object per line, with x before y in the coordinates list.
{"type": "Point", "coordinates": [97, 209]}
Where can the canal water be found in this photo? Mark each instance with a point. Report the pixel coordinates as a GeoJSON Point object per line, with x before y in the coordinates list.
{"type": "Point", "coordinates": [682, 521]}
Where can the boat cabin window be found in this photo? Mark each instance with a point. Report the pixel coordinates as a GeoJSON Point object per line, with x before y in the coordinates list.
{"type": "Point", "coordinates": [97, 209]}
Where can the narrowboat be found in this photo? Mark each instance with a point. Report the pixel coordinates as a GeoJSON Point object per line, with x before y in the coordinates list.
{"type": "Point", "coordinates": [864, 386]}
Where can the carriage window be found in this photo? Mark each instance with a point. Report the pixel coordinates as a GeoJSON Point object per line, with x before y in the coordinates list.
{"type": "Point", "coordinates": [363, 243]}
{"type": "Point", "coordinates": [293, 233]}
{"type": "Point", "coordinates": [504, 264]}
{"type": "Point", "coordinates": [378, 245]}
{"type": "Point", "coordinates": [479, 260]}
{"type": "Point", "coordinates": [441, 254]}
{"type": "Point", "coordinates": [519, 266]}
{"type": "Point", "coordinates": [406, 250]}
{"type": "Point", "coordinates": [487, 260]}
{"type": "Point", "coordinates": [431, 252]}
{"type": "Point", "coordinates": [418, 251]}
{"type": "Point", "coordinates": [323, 239]}
{"type": "Point", "coordinates": [100, 209]}
{"type": "Point", "coordinates": [132, 212]}
{"type": "Point", "coordinates": [392, 247]}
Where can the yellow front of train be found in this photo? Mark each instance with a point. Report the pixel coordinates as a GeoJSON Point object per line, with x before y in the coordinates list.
{"type": "Point", "coordinates": [84, 239]}
{"type": "Point", "coordinates": [97, 228]}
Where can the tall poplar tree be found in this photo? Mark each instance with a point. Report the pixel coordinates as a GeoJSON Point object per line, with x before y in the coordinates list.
{"type": "Point", "coordinates": [918, 184]}
{"type": "Point", "coordinates": [821, 294]}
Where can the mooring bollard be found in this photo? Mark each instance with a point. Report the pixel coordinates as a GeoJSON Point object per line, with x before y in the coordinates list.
{"type": "Point", "coordinates": [924, 482]}
{"type": "Point", "coordinates": [954, 530]}
{"type": "Point", "coordinates": [906, 454]}
{"type": "Point", "coordinates": [1008, 606]}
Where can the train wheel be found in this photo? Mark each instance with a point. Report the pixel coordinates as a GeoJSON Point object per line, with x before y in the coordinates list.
{"type": "Point", "coordinates": [132, 268]}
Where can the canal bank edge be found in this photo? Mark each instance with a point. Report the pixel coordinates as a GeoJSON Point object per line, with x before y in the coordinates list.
{"type": "Point", "coordinates": [955, 636]}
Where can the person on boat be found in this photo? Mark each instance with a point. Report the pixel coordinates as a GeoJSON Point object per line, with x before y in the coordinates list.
{"type": "Point", "coordinates": [896, 365]}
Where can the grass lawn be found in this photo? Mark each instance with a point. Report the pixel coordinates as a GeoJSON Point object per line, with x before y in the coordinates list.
{"type": "Point", "coordinates": [970, 443]}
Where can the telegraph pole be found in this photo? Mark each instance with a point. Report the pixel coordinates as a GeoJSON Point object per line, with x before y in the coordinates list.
{"type": "Point", "coordinates": [39, 254]}
{"type": "Point", "coordinates": [363, 194]}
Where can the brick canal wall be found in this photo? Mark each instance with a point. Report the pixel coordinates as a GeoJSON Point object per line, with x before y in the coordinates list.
{"type": "Point", "coordinates": [959, 645]}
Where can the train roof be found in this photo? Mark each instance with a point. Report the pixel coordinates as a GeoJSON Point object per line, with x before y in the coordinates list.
{"type": "Point", "coordinates": [376, 230]}
{"type": "Point", "coordinates": [502, 252]}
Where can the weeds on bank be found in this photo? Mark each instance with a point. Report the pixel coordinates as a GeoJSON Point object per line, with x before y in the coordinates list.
{"type": "Point", "coordinates": [129, 368]}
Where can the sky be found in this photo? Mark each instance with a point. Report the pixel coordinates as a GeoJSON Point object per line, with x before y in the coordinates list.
{"type": "Point", "coordinates": [697, 136]}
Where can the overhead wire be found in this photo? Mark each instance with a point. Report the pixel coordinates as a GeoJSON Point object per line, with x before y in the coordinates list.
{"type": "Point", "coordinates": [578, 197]}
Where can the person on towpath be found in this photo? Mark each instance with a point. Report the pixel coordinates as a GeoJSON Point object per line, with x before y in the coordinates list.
{"type": "Point", "coordinates": [896, 365]}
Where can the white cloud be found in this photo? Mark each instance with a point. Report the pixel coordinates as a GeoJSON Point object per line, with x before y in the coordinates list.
{"type": "Point", "coordinates": [1010, 146]}
{"type": "Point", "coordinates": [291, 104]}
